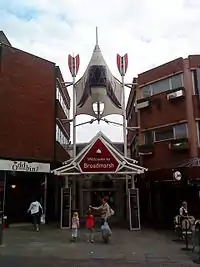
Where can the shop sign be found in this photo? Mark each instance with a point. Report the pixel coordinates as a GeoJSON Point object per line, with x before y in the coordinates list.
{"type": "Point", "coordinates": [24, 166]}
{"type": "Point", "coordinates": [98, 160]}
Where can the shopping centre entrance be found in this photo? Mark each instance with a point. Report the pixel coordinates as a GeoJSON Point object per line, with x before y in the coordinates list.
{"type": "Point", "coordinates": [100, 170]}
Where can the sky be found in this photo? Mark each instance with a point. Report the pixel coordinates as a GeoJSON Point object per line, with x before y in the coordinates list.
{"type": "Point", "coordinates": [152, 32]}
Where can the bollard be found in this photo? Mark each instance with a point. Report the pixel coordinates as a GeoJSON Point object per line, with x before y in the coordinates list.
{"type": "Point", "coordinates": [197, 261]}
{"type": "Point", "coordinates": [1, 228]}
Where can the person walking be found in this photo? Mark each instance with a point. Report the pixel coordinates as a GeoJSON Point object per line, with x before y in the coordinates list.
{"type": "Point", "coordinates": [36, 210]}
{"type": "Point", "coordinates": [75, 226]}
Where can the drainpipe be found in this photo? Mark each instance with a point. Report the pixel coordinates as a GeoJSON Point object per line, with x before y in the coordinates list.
{"type": "Point", "coordinates": [192, 130]}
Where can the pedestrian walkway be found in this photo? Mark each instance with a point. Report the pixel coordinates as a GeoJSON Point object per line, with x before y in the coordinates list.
{"type": "Point", "coordinates": [142, 246]}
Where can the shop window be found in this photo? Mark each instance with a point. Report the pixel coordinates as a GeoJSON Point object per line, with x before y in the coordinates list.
{"type": "Point", "coordinates": [164, 134]}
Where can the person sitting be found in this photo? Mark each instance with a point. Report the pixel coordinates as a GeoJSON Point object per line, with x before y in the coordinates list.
{"type": "Point", "coordinates": [183, 211]}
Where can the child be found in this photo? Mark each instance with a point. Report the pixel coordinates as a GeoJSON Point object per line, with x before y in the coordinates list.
{"type": "Point", "coordinates": [90, 225]}
{"type": "Point", "coordinates": [75, 226]}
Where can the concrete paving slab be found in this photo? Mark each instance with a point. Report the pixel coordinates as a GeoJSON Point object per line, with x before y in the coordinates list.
{"type": "Point", "coordinates": [146, 246]}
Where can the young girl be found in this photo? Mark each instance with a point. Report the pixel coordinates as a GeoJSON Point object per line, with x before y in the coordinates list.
{"type": "Point", "coordinates": [90, 225]}
{"type": "Point", "coordinates": [75, 226]}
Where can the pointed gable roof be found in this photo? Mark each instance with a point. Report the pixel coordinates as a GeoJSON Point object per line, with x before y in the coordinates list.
{"type": "Point", "coordinates": [126, 165]}
{"type": "Point", "coordinates": [110, 94]}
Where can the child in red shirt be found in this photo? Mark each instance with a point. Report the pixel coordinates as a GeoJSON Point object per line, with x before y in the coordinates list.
{"type": "Point", "coordinates": [90, 225]}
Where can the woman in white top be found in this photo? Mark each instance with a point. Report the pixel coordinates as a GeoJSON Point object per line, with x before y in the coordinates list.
{"type": "Point", "coordinates": [105, 210]}
{"type": "Point", "coordinates": [36, 211]}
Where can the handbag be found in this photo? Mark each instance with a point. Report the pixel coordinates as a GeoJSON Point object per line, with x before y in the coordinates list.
{"type": "Point", "coordinates": [42, 219]}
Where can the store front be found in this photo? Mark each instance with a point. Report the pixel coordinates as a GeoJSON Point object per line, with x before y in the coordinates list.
{"type": "Point", "coordinates": [20, 183]}
{"type": "Point", "coordinates": [100, 170]}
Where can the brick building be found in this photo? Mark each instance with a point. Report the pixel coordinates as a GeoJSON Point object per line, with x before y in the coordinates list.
{"type": "Point", "coordinates": [165, 105]}
{"type": "Point", "coordinates": [35, 133]}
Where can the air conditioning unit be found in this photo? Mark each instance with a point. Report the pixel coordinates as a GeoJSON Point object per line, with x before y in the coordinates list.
{"type": "Point", "coordinates": [175, 95]}
{"type": "Point", "coordinates": [142, 105]}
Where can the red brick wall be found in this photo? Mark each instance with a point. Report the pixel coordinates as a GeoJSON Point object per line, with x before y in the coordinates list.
{"type": "Point", "coordinates": [162, 111]}
{"type": "Point", "coordinates": [163, 157]}
{"type": "Point", "coordinates": [27, 107]}
{"type": "Point", "coordinates": [161, 71]}
{"type": "Point", "coordinates": [194, 61]}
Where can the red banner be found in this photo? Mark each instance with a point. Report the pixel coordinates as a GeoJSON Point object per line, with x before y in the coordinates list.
{"type": "Point", "coordinates": [122, 64]}
{"type": "Point", "coordinates": [73, 64]}
{"type": "Point", "coordinates": [98, 159]}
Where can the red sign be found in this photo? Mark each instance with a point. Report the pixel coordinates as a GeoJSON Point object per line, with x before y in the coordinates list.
{"type": "Point", "coordinates": [122, 64]}
{"type": "Point", "coordinates": [98, 159]}
{"type": "Point", "coordinates": [73, 63]}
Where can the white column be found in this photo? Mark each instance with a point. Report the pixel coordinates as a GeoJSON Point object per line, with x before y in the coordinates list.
{"type": "Point", "coordinates": [74, 143]}
{"type": "Point", "coordinates": [133, 181]}
{"type": "Point", "coordinates": [66, 181]}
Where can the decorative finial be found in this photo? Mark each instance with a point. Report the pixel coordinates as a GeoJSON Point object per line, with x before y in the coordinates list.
{"type": "Point", "coordinates": [97, 43]}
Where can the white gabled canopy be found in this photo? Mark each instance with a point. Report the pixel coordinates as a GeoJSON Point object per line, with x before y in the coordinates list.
{"type": "Point", "coordinates": [106, 90]}
{"type": "Point", "coordinates": [126, 165]}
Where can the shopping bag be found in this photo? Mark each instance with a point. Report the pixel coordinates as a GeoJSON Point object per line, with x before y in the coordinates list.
{"type": "Point", "coordinates": [106, 229]}
{"type": "Point", "coordinates": [112, 212]}
{"type": "Point", "coordinates": [42, 219]}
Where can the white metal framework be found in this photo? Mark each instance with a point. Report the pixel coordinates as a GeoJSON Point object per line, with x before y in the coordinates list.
{"type": "Point", "coordinates": [126, 165]}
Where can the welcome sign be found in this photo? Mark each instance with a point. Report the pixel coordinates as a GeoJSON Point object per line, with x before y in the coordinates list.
{"type": "Point", "coordinates": [98, 160]}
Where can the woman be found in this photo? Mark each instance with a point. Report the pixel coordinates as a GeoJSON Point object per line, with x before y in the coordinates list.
{"type": "Point", "coordinates": [183, 212]}
{"type": "Point", "coordinates": [105, 210]}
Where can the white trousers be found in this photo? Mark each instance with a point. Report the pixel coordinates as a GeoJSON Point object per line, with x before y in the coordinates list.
{"type": "Point", "coordinates": [74, 232]}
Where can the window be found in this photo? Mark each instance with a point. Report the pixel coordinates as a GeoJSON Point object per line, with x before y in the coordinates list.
{"type": "Point", "coordinates": [198, 131]}
{"type": "Point", "coordinates": [180, 131]}
{"type": "Point", "coordinates": [148, 137]}
{"type": "Point", "coordinates": [145, 91]}
{"type": "Point", "coordinates": [196, 79]}
{"type": "Point", "coordinates": [176, 81]}
{"type": "Point", "coordinates": [60, 137]}
{"type": "Point", "coordinates": [62, 102]}
{"type": "Point", "coordinates": [164, 134]}
{"type": "Point", "coordinates": [160, 86]}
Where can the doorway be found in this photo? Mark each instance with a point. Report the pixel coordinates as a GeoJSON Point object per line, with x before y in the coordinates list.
{"type": "Point", "coordinates": [21, 190]}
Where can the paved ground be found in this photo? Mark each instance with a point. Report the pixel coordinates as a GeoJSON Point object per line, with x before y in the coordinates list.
{"type": "Point", "coordinates": [52, 247]}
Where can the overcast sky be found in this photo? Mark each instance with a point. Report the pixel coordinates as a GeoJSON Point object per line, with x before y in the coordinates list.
{"type": "Point", "coordinates": [150, 31]}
